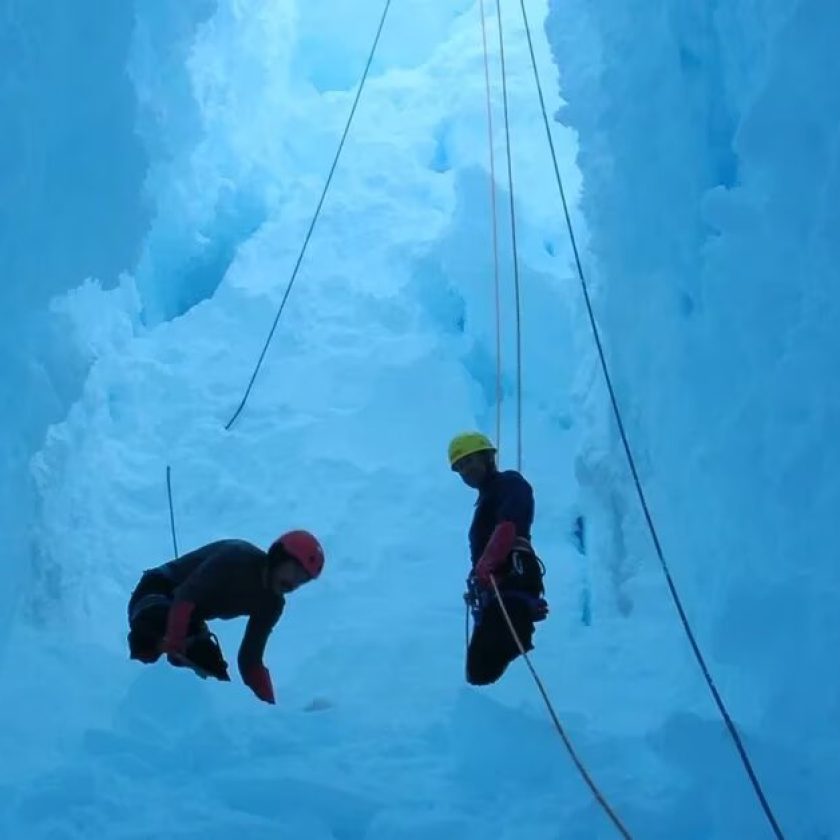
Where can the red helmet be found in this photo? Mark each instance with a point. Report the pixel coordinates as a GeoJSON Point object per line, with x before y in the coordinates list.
{"type": "Point", "coordinates": [305, 548]}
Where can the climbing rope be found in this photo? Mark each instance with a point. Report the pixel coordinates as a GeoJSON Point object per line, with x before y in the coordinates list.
{"type": "Point", "coordinates": [578, 763]}
{"type": "Point", "coordinates": [513, 242]}
{"type": "Point", "coordinates": [315, 216]}
{"type": "Point", "coordinates": [466, 641]}
{"type": "Point", "coordinates": [495, 224]}
{"type": "Point", "coordinates": [301, 254]}
{"type": "Point", "coordinates": [742, 752]}
{"type": "Point", "coordinates": [171, 510]}
{"type": "Point", "coordinates": [561, 731]}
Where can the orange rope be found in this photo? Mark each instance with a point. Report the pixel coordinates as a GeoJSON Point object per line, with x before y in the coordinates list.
{"type": "Point", "coordinates": [499, 395]}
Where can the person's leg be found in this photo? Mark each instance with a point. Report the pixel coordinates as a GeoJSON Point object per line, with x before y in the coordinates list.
{"type": "Point", "coordinates": [147, 611]}
{"type": "Point", "coordinates": [492, 647]}
{"type": "Point", "coordinates": [151, 583]}
{"type": "Point", "coordinates": [204, 651]}
{"type": "Point", "coordinates": [147, 627]}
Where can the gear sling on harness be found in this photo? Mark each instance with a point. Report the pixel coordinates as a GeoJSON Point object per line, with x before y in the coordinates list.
{"type": "Point", "coordinates": [521, 579]}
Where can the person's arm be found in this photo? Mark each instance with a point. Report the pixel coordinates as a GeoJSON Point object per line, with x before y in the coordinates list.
{"type": "Point", "coordinates": [250, 660]}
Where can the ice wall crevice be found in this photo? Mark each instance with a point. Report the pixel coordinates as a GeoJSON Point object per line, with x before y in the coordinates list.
{"type": "Point", "coordinates": [708, 143]}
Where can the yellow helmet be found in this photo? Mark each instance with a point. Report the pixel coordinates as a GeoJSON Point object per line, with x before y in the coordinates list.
{"type": "Point", "coordinates": [467, 444]}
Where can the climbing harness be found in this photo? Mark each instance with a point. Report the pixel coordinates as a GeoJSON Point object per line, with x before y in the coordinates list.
{"type": "Point", "coordinates": [522, 580]}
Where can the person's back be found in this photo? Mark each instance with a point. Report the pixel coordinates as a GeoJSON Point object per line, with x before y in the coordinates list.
{"type": "Point", "coordinates": [504, 496]}
{"type": "Point", "coordinates": [224, 579]}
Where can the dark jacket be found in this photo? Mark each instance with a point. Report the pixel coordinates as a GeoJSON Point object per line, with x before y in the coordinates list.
{"type": "Point", "coordinates": [505, 496]}
{"type": "Point", "coordinates": [228, 579]}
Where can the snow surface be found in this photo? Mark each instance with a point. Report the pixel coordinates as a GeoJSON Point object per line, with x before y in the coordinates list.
{"type": "Point", "coordinates": [163, 182]}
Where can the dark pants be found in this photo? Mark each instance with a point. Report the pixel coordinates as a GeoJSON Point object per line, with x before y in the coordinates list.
{"type": "Point", "coordinates": [148, 611]}
{"type": "Point", "coordinates": [492, 646]}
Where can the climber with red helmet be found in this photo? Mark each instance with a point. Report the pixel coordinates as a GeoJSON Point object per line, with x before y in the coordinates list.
{"type": "Point", "coordinates": [169, 608]}
{"type": "Point", "coordinates": [500, 553]}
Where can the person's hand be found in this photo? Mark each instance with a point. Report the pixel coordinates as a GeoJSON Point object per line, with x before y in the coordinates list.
{"type": "Point", "coordinates": [258, 680]}
{"type": "Point", "coordinates": [177, 623]}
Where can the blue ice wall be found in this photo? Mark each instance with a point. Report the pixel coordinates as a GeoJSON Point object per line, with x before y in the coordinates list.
{"type": "Point", "coordinates": [709, 148]}
{"type": "Point", "coordinates": [71, 180]}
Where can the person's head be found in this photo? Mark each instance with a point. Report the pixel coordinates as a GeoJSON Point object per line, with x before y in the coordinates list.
{"type": "Point", "coordinates": [295, 558]}
{"type": "Point", "coordinates": [473, 456]}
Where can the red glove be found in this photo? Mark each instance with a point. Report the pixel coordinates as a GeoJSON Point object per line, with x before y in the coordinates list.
{"type": "Point", "coordinates": [498, 548]}
{"type": "Point", "coordinates": [258, 680]}
{"type": "Point", "coordinates": [177, 624]}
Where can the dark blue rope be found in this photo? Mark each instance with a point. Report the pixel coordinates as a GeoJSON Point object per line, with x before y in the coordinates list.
{"type": "Point", "coordinates": [632, 462]}
{"type": "Point", "coordinates": [171, 510]}
{"type": "Point", "coordinates": [314, 217]}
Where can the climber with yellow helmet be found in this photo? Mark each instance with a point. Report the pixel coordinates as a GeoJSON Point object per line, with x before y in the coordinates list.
{"type": "Point", "coordinates": [500, 550]}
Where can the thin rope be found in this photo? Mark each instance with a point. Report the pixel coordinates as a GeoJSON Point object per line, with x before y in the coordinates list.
{"type": "Point", "coordinates": [494, 214]}
{"type": "Point", "coordinates": [513, 240]}
{"type": "Point", "coordinates": [171, 510]}
{"type": "Point", "coordinates": [561, 731]}
{"type": "Point", "coordinates": [632, 462]}
{"type": "Point", "coordinates": [466, 641]}
{"type": "Point", "coordinates": [315, 216]}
